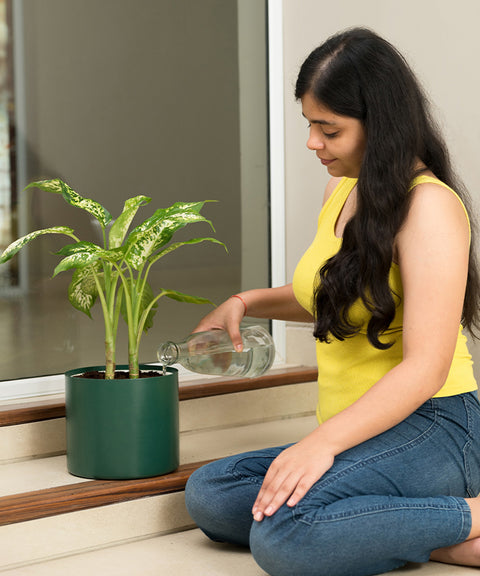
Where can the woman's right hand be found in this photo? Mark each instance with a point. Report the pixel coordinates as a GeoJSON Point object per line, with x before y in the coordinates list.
{"type": "Point", "coordinates": [271, 303]}
{"type": "Point", "coordinates": [227, 316]}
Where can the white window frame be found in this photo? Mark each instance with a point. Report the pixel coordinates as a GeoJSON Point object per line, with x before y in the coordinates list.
{"type": "Point", "coordinates": [277, 160]}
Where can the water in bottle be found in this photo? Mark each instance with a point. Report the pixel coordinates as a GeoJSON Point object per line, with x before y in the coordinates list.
{"type": "Point", "coordinates": [213, 353]}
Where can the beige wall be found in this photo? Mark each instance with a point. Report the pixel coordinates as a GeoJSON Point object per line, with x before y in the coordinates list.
{"type": "Point", "coordinates": [438, 37]}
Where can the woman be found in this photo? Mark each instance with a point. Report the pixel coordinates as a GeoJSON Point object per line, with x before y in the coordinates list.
{"type": "Point", "coordinates": [392, 471]}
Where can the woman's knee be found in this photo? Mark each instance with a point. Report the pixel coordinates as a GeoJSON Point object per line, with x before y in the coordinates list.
{"type": "Point", "coordinates": [281, 545]}
{"type": "Point", "coordinates": [276, 544]}
{"type": "Point", "coordinates": [198, 492]}
{"type": "Point", "coordinates": [219, 504]}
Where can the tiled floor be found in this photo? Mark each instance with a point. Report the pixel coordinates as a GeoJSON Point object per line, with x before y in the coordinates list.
{"type": "Point", "coordinates": [184, 554]}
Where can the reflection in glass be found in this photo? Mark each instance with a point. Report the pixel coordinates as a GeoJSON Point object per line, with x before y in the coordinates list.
{"type": "Point", "coordinates": [165, 98]}
{"type": "Point", "coordinates": [8, 273]}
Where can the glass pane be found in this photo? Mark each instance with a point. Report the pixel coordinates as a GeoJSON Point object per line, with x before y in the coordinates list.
{"type": "Point", "coordinates": [121, 98]}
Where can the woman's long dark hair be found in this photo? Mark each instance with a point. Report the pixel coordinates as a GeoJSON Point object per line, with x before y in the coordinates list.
{"type": "Point", "coordinates": [358, 74]}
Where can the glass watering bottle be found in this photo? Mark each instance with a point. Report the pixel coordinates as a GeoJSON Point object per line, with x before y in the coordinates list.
{"type": "Point", "coordinates": [212, 352]}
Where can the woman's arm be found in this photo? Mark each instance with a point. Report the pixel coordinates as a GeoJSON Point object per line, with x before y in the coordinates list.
{"type": "Point", "coordinates": [272, 303]}
{"type": "Point", "coordinates": [432, 249]}
{"type": "Point", "coordinates": [275, 304]}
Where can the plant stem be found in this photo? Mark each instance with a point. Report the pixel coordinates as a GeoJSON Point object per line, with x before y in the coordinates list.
{"type": "Point", "coordinates": [109, 336]}
{"type": "Point", "coordinates": [129, 294]}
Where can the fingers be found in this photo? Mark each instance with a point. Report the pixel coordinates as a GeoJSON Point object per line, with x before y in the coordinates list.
{"type": "Point", "coordinates": [301, 489]}
{"type": "Point", "coordinates": [290, 476]}
{"type": "Point", "coordinates": [278, 485]}
{"type": "Point", "coordinates": [274, 493]}
{"type": "Point", "coordinates": [233, 330]}
{"type": "Point", "coordinates": [228, 317]}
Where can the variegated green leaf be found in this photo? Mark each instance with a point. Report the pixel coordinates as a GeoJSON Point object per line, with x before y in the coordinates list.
{"type": "Point", "coordinates": [114, 255]}
{"type": "Point", "coordinates": [47, 185]}
{"type": "Point", "coordinates": [54, 185]}
{"type": "Point", "coordinates": [57, 186]}
{"type": "Point", "coordinates": [82, 291]}
{"type": "Point", "coordinates": [90, 248]}
{"type": "Point", "coordinates": [77, 247]}
{"type": "Point", "coordinates": [175, 245]}
{"type": "Point", "coordinates": [157, 230]}
{"type": "Point", "coordinates": [174, 295]}
{"type": "Point", "coordinates": [119, 229]}
{"type": "Point", "coordinates": [20, 243]}
{"type": "Point", "coordinates": [78, 259]}
{"type": "Point", "coordinates": [75, 261]}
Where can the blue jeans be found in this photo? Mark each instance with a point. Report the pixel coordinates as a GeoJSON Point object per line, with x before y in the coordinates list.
{"type": "Point", "coordinates": [386, 502]}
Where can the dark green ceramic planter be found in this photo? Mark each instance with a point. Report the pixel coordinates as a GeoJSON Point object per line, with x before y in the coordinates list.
{"type": "Point", "coordinates": [122, 429]}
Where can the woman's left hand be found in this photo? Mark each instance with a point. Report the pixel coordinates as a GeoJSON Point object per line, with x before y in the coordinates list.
{"type": "Point", "coordinates": [291, 475]}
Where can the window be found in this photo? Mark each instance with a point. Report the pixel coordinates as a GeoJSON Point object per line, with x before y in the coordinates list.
{"type": "Point", "coordinates": [117, 98]}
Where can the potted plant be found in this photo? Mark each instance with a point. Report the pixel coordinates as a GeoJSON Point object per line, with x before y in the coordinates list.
{"type": "Point", "coordinates": [122, 421]}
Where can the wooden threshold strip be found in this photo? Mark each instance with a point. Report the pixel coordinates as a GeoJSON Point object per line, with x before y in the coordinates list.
{"type": "Point", "coordinates": [35, 411]}
{"type": "Point", "coordinates": [91, 494]}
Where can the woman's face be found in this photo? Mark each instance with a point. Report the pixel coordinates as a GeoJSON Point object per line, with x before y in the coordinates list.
{"type": "Point", "coordinates": [338, 141]}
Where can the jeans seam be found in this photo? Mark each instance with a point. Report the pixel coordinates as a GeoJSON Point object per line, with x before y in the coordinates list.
{"type": "Point", "coordinates": [368, 511]}
{"type": "Point", "coordinates": [466, 447]}
{"type": "Point", "coordinates": [466, 523]}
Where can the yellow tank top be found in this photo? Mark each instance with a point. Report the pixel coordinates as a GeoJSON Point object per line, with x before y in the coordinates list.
{"type": "Point", "coordinates": [348, 368]}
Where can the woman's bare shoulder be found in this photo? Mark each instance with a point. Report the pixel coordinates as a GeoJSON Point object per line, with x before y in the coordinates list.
{"type": "Point", "coordinates": [332, 184]}
{"type": "Point", "coordinates": [436, 220]}
{"type": "Point", "coordinates": [435, 202]}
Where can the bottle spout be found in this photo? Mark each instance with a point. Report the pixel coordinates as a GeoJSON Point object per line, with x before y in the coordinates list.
{"type": "Point", "coordinates": [167, 353]}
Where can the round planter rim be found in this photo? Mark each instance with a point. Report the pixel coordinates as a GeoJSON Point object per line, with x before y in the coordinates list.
{"type": "Point", "coordinates": [75, 372]}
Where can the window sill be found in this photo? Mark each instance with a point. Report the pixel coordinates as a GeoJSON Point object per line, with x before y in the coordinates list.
{"type": "Point", "coordinates": [41, 408]}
